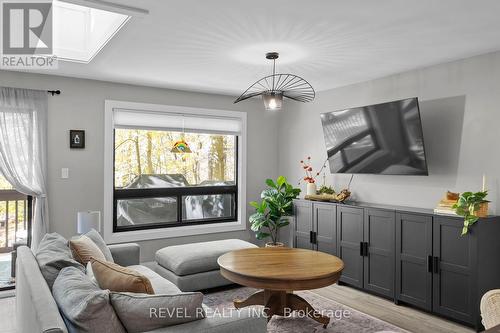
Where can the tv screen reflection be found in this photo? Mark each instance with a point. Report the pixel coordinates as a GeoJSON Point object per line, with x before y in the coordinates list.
{"type": "Point", "coordinates": [384, 138]}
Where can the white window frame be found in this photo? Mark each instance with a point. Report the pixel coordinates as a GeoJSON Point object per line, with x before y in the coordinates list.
{"type": "Point", "coordinates": [149, 234]}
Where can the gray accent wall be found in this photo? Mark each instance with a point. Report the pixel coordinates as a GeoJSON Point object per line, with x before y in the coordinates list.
{"type": "Point", "coordinates": [81, 106]}
{"type": "Point", "coordinates": [460, 108]}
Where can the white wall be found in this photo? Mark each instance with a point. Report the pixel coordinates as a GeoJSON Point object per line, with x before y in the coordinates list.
{"type": "Point", "coordinates": [81, 106]}
{"type": "Point", "coordinates": [460, 108]}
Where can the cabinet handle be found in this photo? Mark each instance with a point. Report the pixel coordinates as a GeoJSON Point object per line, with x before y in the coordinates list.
{"type": "Point", "coordinates": [366, 249]}
{"type": "Point", "coordinates": [429, 264]}
{"type": "Point", "coordinates": [362, 249]}
{"type": "Point", "coordinates": [435, 265]}
{"type": "Point", "coordinates": [315, 237]}
{"type": "Point", "coordinates": [311, 237]}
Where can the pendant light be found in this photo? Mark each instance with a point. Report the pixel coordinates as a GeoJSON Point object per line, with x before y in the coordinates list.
{"type": "Point", "coordinates": [274, 87]}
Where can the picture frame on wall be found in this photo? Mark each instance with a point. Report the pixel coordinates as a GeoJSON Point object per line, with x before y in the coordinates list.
{"type": "Point", "coordinates": [77, 139]}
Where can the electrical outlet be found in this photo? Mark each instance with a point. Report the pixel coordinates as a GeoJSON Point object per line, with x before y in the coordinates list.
{"type": "Point", "coordinates": [64, 173]}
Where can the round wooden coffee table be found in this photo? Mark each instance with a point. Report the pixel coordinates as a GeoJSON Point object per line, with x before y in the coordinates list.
{"type": "Point", "coordinates": [280, 271]}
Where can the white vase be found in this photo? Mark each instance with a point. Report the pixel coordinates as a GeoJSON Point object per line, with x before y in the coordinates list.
{"type": "Point", "coordinates": [311, 189]}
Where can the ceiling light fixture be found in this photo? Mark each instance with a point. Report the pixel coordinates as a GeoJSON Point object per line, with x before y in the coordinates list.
{"type": "Point", "coordinates": [276, 86]}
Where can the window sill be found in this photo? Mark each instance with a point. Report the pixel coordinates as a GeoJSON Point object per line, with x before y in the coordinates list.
{"type": "Point", "coordinates": [190, 230]}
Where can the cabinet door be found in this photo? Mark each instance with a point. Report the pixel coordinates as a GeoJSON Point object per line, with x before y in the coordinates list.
{"type": "Point", "coordinates": [453, 283]}
{"type": "Point", "coordinates": [413, 259]}
{"type": "Point", "coordinates": [379, 233]}
{"type": "Point", "coordinates": [325, 226]}
{"type": "Point", "coordinates": [303, 224]}
{"type": "Point", "coordinates": [349, 238]}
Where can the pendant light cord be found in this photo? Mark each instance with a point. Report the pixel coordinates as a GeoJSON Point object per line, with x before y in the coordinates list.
{"type": "Point", "coordinates": [274, 71]}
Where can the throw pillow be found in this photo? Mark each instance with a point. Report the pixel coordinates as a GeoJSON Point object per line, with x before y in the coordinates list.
{"type": "Point", "coordinates": [90, 274]}
{"type": "Point", "coordinates": [118, 278]}
{"type": "Point", "coordinates": [53, 254]}
{"type": "Point", "coordinates": [97, 239]}
{"type": "Point", "coordinates": [83, 248]}
{"type": "Point", "coordinates": [141, 312]}
{"type": "Point", "coordinates": [85, 307]}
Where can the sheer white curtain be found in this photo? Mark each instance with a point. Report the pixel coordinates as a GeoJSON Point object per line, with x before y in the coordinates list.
{"type": "Point", "coordinates": [23, 149]}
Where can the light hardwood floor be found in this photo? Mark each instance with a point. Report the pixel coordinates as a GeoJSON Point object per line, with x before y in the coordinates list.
{"type": "Point", "coordinates": [402, 316]}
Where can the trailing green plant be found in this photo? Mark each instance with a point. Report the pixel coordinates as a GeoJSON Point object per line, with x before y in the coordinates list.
{"type": "Point", "coordinates": [467, 205]}
{"type": "Point", "coordinates": [326, 190]}
{"type": "Point", "coordinates": [276, 203]}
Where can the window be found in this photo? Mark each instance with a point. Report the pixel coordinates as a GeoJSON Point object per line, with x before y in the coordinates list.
{"type": "Point", "coordinates": [156, 188]}
{"type": "Point", "coordinates": [81, 32]}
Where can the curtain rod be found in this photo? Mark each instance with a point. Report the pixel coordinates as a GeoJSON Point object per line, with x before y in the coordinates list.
{"type": "Point", "coordinates": [54, 92]}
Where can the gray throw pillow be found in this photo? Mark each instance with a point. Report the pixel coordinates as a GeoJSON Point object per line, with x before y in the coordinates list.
{"type": "Point", "coordinates": [97, 239]}
{"type": "Point", "coordinates": [53, 254]}
{"type": "Point", "coordinates": [143, 312]}
{"type": "Point", "coordinates": [84, 306]}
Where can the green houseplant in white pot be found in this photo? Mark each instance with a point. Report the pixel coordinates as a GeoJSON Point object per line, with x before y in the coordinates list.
{"type": "Point", "coordinates": [272, 211]}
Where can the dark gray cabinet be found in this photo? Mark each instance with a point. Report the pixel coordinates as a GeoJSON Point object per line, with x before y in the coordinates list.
{"type": "Point", "coordinates": [435, 265]}
{"type": "Point", "coordinates": [350, 243]}
{"type": "Point", "coordinates": [414, 259]}
{"type": "Point", "coordinates": [315, 226]}
{"type": "Point", "coordinates": [303, 211]}
{"type": "Point", "coordinates": [379, 237]}
{"type": "Point", "coordinates": [410, 255]}
{"type": "Point", "coordinates": [365, 241]}
{"type": "Point", "coordinates": [454, 267]}
{"type": "Point", "coordinates": [324, 227]}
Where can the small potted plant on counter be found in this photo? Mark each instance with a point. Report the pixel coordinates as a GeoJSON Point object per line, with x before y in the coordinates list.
{"type": "Point", "coordinates": [271, 212]}
{"type": "Point", "coordinates": [471, 206]}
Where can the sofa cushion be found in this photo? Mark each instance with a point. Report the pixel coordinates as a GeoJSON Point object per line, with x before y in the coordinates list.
{"type": "Point", "coordinates": [85, 307]}
{"type": "Point", "coordinates": [97, 239]}
{"type": "Point", "coordinates": [194, 282]}
{"type": "Point", "coordinates": [53, 254]}
{"type": "Point", "coordinates": [197, 257]}
{"type": "Point", "coordinates": [118, 278]}
{"type": "Point", "coordinates": [83, 248]}
{"type": "Point", "coordinates": [160, 285]}
{"type": "Point", "coordinates": [142, 312]}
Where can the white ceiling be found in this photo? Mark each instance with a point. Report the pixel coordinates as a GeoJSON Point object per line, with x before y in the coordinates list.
{"type": "Point", "coordinates": [219, 45]}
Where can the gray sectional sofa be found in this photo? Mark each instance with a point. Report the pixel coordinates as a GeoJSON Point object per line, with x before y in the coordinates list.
{"type": "Point", "coordinates": [37, 311]}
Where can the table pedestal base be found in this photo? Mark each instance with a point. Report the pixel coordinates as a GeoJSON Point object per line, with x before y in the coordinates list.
{"type": "Point", "coordinates": [282, 303]}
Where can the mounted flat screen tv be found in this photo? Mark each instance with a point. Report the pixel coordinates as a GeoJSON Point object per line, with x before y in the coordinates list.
{"type": "Point", "coordinates": [383, 138]}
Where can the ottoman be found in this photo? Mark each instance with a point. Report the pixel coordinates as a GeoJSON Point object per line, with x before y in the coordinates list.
{"type": "Point", "coordinates": [193, 267]}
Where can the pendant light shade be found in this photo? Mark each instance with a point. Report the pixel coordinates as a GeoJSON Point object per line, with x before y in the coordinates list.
{"type": "Point", "coordinates": [273, 101]}
{"type": "Point", "coordinates": [276, 86]}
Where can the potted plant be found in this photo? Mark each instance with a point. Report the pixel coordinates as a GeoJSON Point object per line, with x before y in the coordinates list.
{"type": "Point", "coordinates": [271, 212]}
{"type": "Point", "coordinates": [471, 206]}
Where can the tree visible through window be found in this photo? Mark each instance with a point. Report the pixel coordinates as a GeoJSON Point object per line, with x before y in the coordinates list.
{"type": "Point", "coordinates": [155, 187]}
{"type": "Point", "coordinates": [145, 152]}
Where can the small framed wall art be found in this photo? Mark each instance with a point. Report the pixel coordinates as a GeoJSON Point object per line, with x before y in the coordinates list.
{"type": "Point", "coordinates": [77, 139]}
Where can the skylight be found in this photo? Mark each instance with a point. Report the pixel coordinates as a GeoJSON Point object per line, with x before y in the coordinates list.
{"type": "Point", "coordinates": [81, 32]}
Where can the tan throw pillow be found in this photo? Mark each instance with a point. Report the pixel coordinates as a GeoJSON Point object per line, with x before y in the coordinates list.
{"type": "Point", "coordinates": [118, 278]}
{"type": "Point", "coordinates": [83, 248]}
